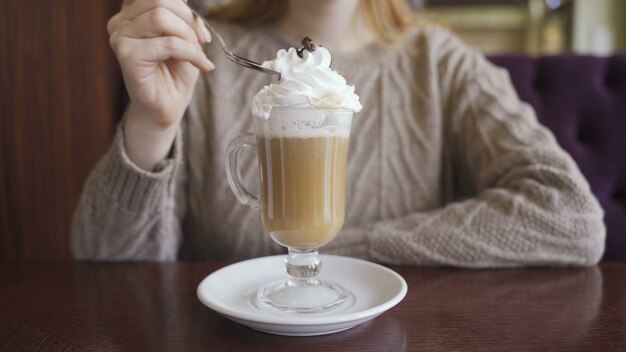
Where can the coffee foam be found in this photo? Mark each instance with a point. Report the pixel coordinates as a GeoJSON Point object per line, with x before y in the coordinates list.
{"type": "Point", "coordinates": [305, 123]}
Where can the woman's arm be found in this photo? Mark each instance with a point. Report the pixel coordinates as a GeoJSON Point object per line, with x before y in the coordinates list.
{"type": "Point", "coordinates": [532, 204]}
{"type": "Point", "coordinates": [127, 213]}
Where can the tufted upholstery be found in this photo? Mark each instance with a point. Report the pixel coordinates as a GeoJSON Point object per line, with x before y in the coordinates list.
{"type": "Point", "coordinates": [582, 99]}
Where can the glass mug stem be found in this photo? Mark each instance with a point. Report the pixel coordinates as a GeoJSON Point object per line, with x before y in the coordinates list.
{"type": "Point", "coordinates": [302, 265]}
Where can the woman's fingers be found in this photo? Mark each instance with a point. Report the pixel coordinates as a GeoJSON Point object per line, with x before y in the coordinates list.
{"type": "Point", "coordinates": [157, 23]}
{"type": "Point", "coordinates": [155, 36]}
{"type": "Point", "coordinates": [206, 34]}
{"type": "Point", "coordinates": [159, 49]}
{"type": "Point", "coordinates": [114, 23]}
{"type": "Point", "coordinates": [177, 7]}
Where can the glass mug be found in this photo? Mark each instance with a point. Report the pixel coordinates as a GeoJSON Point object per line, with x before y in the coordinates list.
{"type": "Point", "coordinates": [302, 155]}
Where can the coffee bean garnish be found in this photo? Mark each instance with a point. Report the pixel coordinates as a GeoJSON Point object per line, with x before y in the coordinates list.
{"type": "Point", "coordinates": [308, 45]}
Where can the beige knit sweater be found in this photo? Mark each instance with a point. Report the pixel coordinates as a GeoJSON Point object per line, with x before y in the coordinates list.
{"type": "Point", "coordinates": [446, 167]}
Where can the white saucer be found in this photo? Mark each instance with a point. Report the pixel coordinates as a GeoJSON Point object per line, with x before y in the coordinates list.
{"type": "Point", "coordinates": [231, 290]}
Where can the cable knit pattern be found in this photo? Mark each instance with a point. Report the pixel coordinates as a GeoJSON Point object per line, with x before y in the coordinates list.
{"type": "Point", "coordinates": [447, 167]}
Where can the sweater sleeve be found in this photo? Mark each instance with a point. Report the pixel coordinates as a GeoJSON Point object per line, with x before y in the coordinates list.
{"type": "Point", "coordinates": [126, 213]}
{"type": "Point", "coordinates": [530, 204]}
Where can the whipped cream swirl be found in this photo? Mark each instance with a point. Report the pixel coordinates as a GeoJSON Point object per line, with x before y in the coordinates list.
{"type": "Point", "coordinates": [306, 82]}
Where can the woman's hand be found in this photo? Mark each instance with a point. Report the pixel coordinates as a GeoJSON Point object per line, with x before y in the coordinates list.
{"type": "Point", "coordinates": [157, 43]}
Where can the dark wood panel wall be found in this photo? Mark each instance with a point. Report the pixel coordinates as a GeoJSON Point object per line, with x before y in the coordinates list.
{"type": "Point", "coordinates": [59, 103]}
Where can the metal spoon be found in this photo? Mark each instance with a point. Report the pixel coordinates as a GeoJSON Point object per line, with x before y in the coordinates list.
{"type": "Point", "coordinates": [239, 60]}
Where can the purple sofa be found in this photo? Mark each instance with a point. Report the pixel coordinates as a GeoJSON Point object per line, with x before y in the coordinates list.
{"type": "Point", "coordinates": [582, 99]}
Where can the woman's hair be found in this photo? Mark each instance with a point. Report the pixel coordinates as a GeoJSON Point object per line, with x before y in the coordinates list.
{"type": "Point", "coordinates": [388, 19]}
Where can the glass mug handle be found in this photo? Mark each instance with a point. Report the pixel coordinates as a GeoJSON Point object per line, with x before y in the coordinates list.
{"type": "Point", "coordinates": [232, 170]}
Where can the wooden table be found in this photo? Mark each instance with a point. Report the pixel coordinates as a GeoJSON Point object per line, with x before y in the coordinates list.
{"type": "Point", "coordinates": [153, 307]}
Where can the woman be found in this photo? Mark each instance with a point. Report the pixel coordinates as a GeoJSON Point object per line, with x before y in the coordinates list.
{"type": "Point", "coordinates": [446, 167]}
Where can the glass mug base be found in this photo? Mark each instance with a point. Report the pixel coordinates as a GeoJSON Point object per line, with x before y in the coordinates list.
{"type": "Point", "coordinates": [301, 296]}
{"type": "Point", "coordinates": [302, 292]}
